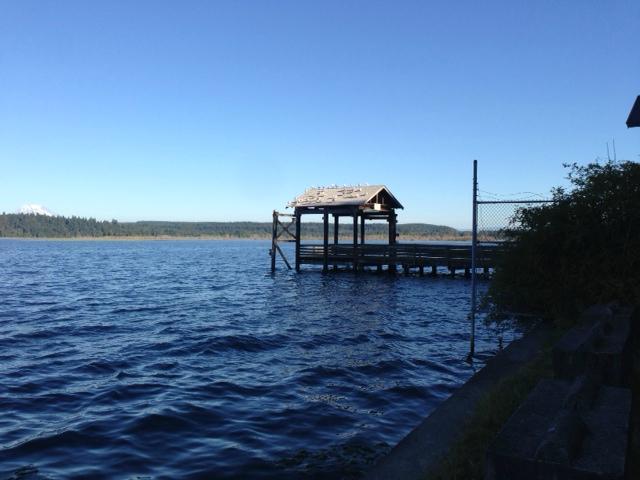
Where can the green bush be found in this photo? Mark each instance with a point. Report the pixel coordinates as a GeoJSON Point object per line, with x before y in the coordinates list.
{"type": "Point", "coordinates": [582, 249]}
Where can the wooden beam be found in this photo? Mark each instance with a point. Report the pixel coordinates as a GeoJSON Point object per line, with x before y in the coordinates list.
{"type": "Point", "coordinates": [325, 261]}
{"type": "Point", "coordinates": [283, 257]}
{"type": "Point", "coordinates": [392, 237]}
{"type": "Point", "coordinates": [298, 216]}
{"type": "Point", "coordinates": [355, 239]}
{"type": "Point", "coordinates": [274, 238]}
{"type": "Point", "coordinates": [336, 228]}
{"type": "Point", "coordinates": [343, 210]}
{"type": "Point", "coordinates": [362, 230]}
{"type": "Point", "coordinates": [285, 228]}
{"type": "Point", "coordinates": [392, 229]}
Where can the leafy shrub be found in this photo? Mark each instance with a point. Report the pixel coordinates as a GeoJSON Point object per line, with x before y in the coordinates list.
{"type": "Point", "coordinates": [582, 249]}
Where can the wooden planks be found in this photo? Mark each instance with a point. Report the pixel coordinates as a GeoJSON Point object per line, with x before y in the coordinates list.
{"type": "Point", "coordinates": [452, 257]}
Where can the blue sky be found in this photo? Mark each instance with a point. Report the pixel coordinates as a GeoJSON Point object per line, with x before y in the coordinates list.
{"type": "Point", "coordinates": [225, 110]}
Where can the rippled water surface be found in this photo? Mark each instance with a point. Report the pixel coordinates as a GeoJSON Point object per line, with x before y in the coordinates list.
{"type": "Point", "coordinates": [188, 359]}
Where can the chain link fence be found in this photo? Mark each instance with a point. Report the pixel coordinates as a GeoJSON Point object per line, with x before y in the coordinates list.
{"type": "Point", "coordinates": [495, 215]}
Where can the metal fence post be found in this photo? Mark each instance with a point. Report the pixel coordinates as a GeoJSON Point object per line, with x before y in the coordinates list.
{"type": "Point", "coordinates": [474, 241]}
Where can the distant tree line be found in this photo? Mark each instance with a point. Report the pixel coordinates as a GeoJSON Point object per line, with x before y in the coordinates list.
{"type": "Point", "coordinates": [42, 226]}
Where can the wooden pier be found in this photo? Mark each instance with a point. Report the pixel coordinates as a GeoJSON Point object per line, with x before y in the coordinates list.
{"type": "Point", "coordinates": [409, 256]}
{"type": "Point", "coordinates": [360, 204]}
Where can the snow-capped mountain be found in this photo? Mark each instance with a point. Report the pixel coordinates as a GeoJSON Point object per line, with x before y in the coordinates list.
{"type": "Point", "coordinates": [36, 210]}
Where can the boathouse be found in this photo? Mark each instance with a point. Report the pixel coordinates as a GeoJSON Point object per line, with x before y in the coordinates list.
{"type": "Point", "coordinates": [359, 203]}
{"type": "Point", "coordinates": [362, 203]}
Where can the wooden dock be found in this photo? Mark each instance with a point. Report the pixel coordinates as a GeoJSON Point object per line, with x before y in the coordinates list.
{"type": "Point", "coordinates": [408, 256]}
{"type": "Point", "coordinates": [360, 204]}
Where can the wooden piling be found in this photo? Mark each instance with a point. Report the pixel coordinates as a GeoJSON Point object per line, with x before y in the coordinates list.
{"type": "Point", "coordinates": [355, 239]}
{"type": "Point", "coordinates": [297, 216]}
{"type": "Point", "coordinates": [274, 238]}
{"type": "Point", "coordinates": [336, 228]}
{"type": "Point", "coordinates": [325, 263]}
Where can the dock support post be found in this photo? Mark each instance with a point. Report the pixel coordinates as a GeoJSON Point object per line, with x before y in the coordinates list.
{"type": "Point", "coordinates": [434, 270]}
{"type": "Point", "coordinates": [392, 239]}
{"type": "Point", "coordinates": [355, 239]}
{"type": "Point", "coordinates": [298, 215]}
{"type": "Point", "coordinates": [336, 227]}
{"type": "Point", "coordinates": [325, 251]}
{"type": "Point", "coordinates": [274, 238]}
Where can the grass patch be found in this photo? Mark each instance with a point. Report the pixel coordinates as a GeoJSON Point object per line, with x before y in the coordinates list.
{"type": "Point", "coordinates": [466, 458]}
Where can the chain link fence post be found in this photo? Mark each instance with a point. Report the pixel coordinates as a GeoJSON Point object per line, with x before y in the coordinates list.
{"type": "Point", "coordinates": [492, 215]}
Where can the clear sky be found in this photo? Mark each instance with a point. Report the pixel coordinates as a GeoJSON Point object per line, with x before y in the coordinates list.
{"type": "Point", "coordinates": [225, 110]}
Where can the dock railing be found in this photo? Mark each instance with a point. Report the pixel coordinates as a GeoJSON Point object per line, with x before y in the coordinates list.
{"type": "Point", "coordinates": [409, 255]}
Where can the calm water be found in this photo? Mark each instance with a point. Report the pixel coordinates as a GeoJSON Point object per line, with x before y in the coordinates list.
{"type": "Point", "coordinates": [188, 359]}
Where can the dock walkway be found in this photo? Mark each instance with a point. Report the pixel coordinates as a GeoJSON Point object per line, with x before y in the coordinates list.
{"type": "Point", "coordinates": [408, 256]}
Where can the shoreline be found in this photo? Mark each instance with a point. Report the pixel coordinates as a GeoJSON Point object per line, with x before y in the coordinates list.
{"type": "Point", "coordinates": [420, 453]}
{"type": "Point", "coordinates": [131, 238]}
{"type": "Point", "coordinates": [121, 238]}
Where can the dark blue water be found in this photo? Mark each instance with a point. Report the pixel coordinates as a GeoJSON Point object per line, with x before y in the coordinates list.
{"type": "Point", "coordinates": [188, 359]}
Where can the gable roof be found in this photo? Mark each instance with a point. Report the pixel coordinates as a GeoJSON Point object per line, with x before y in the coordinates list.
{"type": "Point", "coordinates": [634, 114]}
{"type": "Point", "coordinates": [346, 196]}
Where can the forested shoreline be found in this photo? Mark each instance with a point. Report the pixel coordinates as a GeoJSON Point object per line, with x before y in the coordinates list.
{"type": "Point", "coordinates": [42, 226]}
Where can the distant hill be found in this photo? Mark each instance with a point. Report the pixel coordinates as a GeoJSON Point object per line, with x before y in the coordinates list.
{"type": "Point", "coordinates": [43, 226]}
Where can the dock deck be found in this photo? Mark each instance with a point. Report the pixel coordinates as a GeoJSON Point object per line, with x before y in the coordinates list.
{"type": "Point", "coordinates": [407, 256]}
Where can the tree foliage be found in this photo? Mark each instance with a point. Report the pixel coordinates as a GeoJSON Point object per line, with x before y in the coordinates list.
{"type": "Point", "coordinates": [582, 249]}
{"type": "Point", "coordinates": [41, 226]}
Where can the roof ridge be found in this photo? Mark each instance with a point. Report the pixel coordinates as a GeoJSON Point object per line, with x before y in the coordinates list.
{"type": "Point", "coordinates": [336, 195]}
